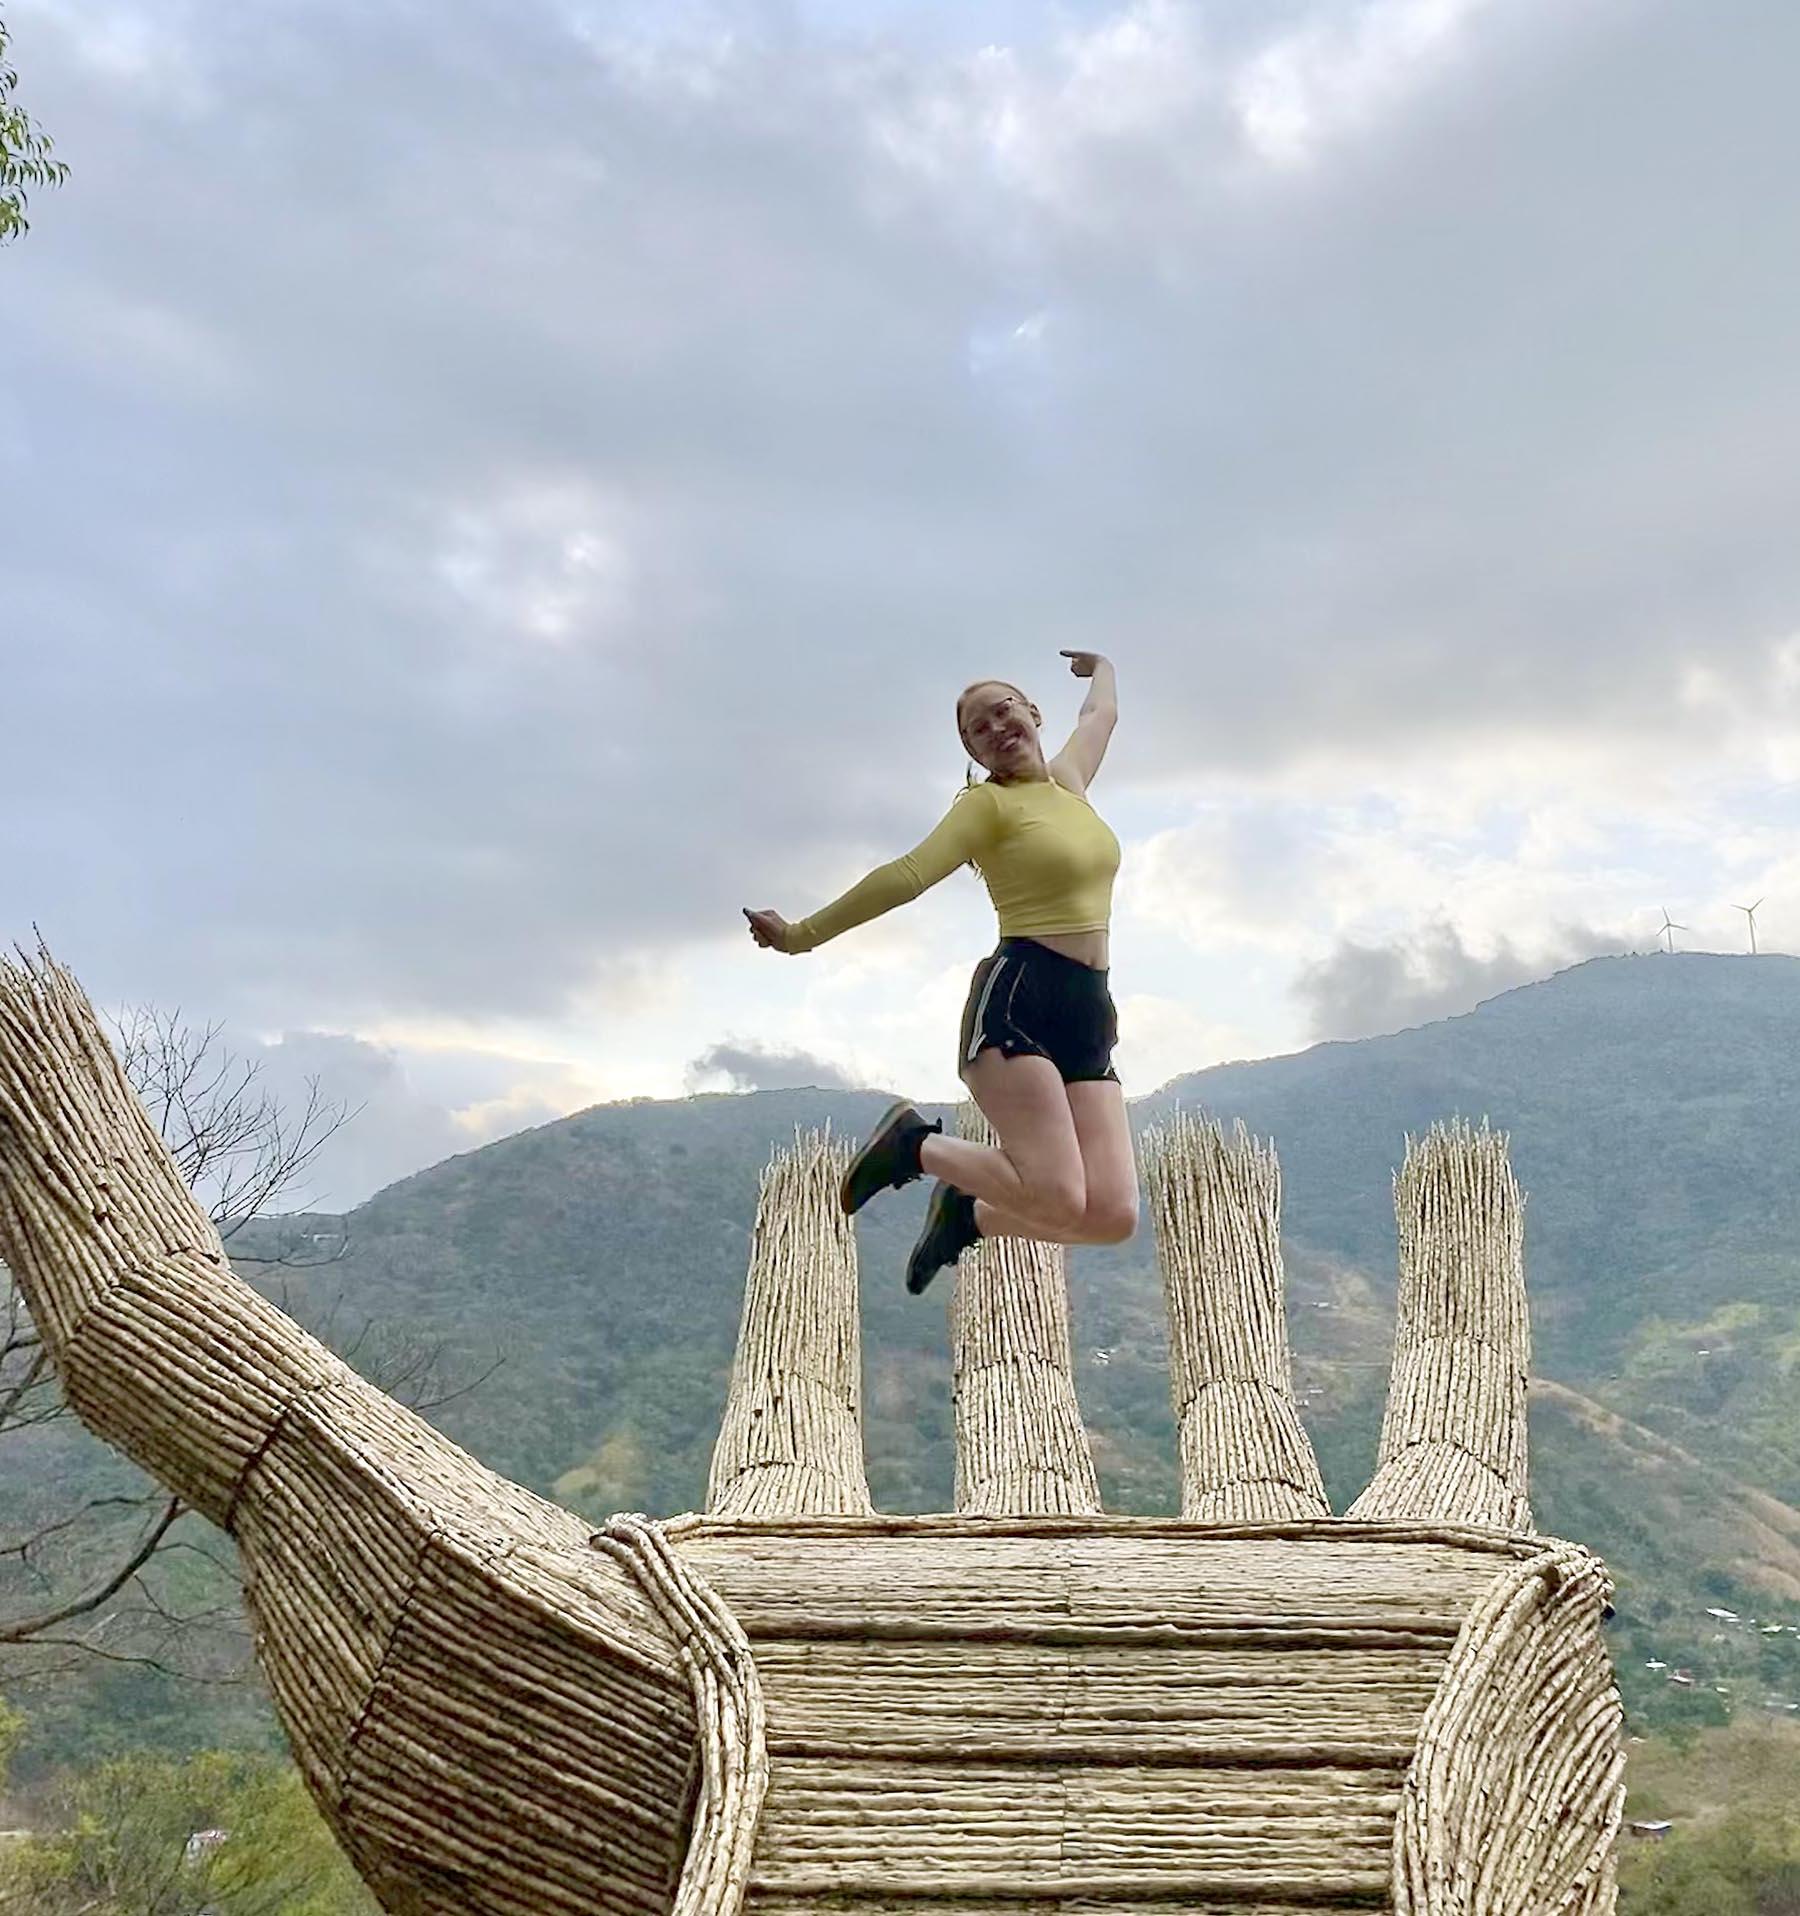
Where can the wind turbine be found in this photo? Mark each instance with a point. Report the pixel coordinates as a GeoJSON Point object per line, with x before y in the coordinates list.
{"type": "Point", "coordinates": [1670, 928]}
{"type": "Point", "coordinates": [1749, 912]}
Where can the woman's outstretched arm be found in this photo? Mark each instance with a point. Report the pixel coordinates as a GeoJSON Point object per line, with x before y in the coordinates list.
{"type": "Point", "coordinates": [1080, 758]}
{"type": "Point", "coordinates": [964, 832]}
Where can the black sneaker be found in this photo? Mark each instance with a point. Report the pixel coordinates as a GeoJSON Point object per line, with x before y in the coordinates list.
{"type": "Point", "coordinates": [949, 1231]}
{"type": "Point", "coordinates": [889, 1159]}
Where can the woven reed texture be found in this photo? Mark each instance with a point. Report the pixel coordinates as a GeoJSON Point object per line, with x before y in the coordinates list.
{"type": "Point", "coordinates": [833, 1709]}
{"type": "Point", "coordinates": [728, 1702]}
{"type": "Point", "coordinates": [1453, 1437]}
{"type": "Point", "coordinates": [791, 1438]}
{"type": "Point", "coordinates": [1513, 1801]}
{"type": "Point", "coordinates": [158, 1346]}
{"type": "Point", "coordinates": [488, 1711]}
{"type": "Point", "coordinates": [1215, 1203]}
{"type": "Point", "coordinates": [1095, 1711]}
{"type": "Point", "coordinates": [1021, 1447]}
{"type": "Point", "coordinates": [783, 1903]}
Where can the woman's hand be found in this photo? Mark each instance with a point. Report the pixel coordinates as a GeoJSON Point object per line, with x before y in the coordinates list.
{"type": "Point", "coordinates": [768, 928]}
{"type": "Point", "coordinates": [1082, 663]}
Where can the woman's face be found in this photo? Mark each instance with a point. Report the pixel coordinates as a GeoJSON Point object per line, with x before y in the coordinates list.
{"type": "Point", "coordinates": [999, 729]}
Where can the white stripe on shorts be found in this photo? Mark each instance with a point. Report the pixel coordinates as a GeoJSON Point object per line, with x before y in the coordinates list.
{"type": "Point", "coordinates": [987, 991]}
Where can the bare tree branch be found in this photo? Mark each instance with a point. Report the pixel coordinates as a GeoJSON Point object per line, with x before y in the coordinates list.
{"type": "Point", "coordinates": [413, 1369]}
{"type": "Point", "coordinates": [26, 1628]}
{"type": "Point", "coordinates": [291, 1260]}
{"type": "Point", "coordinates": [89, 1648]}
{"type": "Point", "coordinates": [35, 1371]}
{"type": "Point", "coordinates": [230, 1137]}
{"type": "Point", "coordinates": [24, 1546]}
{"type": "Point", "coordinates": [244, 1153]}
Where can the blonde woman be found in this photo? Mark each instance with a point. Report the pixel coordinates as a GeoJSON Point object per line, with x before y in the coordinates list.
{"type": "Point", "coordinates": [1039, 1025]}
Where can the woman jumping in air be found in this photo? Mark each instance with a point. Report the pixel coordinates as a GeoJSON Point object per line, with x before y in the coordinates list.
{"type": "Point", "coordinates": [1039, 1025]}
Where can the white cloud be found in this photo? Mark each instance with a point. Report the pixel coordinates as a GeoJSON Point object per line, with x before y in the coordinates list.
{"type": "Point", "coordinates": [734, 1065]}
{"type": "Point", "coordinates": [1338, 70]}
{"type": "Point", "coordinates": [1160, 1038]}
{"type": "Point", "coordinates": [1486, 864]}
{"type": "Point", "coordinates": [400, 1109]}
{"type": "Point", "coordinates": [1361, 991]}
{"type": "Point", "coordinates": [463, 561]}
{"type": "Point", "coordinates": [1048, 125]}
{"type": "Point", "coordinates": [139, 43]}
{"type": "Point", "coordinates": [1009, 347]}
{"type": "Point", "coordinates": [544, 560]}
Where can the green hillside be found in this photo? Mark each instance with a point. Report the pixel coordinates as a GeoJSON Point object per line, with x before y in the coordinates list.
{"type": "Point", "coordinates": [1655, 1126]}
{"type": "Point", "coordinates": [1655, 1120]}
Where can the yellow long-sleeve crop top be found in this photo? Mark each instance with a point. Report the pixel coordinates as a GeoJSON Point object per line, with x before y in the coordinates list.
{"type": "Point", "coordinates": [1047, 857]}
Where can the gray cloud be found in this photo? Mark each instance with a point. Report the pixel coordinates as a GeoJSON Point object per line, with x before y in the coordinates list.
{"type": "Point", "coordinates": [399, 1111]}
{"type": "Point", "coordinates": [1363, 991]}
{"type": "Point", "coordinates": [758, 1068]}
{"type": "Point", "coordinates": [453, 560]}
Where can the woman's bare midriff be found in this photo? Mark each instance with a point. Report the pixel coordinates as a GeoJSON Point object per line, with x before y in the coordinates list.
{"type": "Point", "coordinates": [1086, 947]}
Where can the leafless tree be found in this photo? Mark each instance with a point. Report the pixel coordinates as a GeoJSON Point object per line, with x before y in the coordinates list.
{"type": "Point", "coordinates": [73, 1582]}
{"type": "Point", "coordinates": [240, 1149]}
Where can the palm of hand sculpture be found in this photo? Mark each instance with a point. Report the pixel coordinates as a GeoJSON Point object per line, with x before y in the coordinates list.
{"type": "Point", "coordinates": [792, 1704]}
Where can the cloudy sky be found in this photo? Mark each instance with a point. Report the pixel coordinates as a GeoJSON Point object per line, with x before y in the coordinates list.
{"type": "Point", "coordinates": [492, 490]}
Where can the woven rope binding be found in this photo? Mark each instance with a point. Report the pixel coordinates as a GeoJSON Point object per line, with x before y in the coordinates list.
{"type": "Point", "coordinates": [728, 1706]}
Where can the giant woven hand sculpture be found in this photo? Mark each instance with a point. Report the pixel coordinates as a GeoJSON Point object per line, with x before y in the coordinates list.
{"type": "Point", "coordinates": [795, 1706]}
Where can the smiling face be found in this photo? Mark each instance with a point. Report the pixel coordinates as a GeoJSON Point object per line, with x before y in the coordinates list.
{"type": "Point", "coordinates": [999, 727]}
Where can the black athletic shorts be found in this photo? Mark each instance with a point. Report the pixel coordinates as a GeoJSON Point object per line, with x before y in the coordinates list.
{"type": "Point", "coordinates": [1035, 1002]}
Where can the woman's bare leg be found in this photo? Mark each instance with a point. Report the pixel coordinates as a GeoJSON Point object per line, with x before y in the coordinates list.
{"type": "Point", "coordinates": [1020, 1098]}
{"type": "Point", "coordinates": [1107, 1157]}
{"type": "Point", "coordinates": [991, 1221]}
{"type": "Point", "coordinates": [1034, 1175]}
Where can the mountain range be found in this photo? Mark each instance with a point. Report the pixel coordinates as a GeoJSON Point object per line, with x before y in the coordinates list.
{"type": "Point", "coordinates": [598, 1262]}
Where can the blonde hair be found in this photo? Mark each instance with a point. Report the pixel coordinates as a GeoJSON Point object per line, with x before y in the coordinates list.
{"type": "Point", "coordinates": [970, 781]}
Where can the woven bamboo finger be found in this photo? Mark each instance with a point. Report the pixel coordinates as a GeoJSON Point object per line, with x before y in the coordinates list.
{"type": "Point", "coordinates": [1215, 1204]}
{"type": "Point", "coordinates": [1021, 1445]}
{"type": "Point", "coordinates": [1453, 1437]}
{"type": "Point", "coordinates": [791, 1437]}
